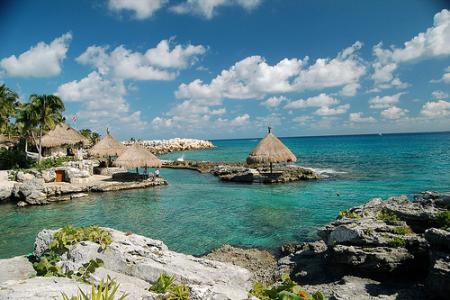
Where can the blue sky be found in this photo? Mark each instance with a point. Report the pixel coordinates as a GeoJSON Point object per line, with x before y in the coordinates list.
{"type": "Point", "coordinates": [225, 69]}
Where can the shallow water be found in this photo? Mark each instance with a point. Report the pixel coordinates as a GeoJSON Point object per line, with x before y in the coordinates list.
{"type": "Point", "coordinates": [197, 213]}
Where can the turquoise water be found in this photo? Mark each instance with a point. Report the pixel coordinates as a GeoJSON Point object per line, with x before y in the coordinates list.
{"type": "Point", "coordinates": [197, 213]}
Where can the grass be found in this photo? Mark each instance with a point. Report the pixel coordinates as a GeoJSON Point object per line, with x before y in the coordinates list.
{"type": "Point", "coordinates": [443, 219]}
{"type": "Point", "coordinates": [387, 216]}
{"type": "Point", "coordinates": [348, 214]}
{"type": "Point", "coordinates": [397, 242]}
{"type": "Point", "coordinates": [402, 230]}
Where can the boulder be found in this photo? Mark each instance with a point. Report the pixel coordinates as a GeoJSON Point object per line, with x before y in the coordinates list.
{"type": "Point", "coordinates": [438, 238]}
{"type": "Point", "coordinates": [6, 190]}
{"type": "Point", "coordinates": [31, 191]}
{"type": "Point", "coordinates": [438, 280]}
{"type": "Point", "coordinates": [49, 175]}
{"type": "Point", "coordinates": [16, 268]}
{"type": "Point", "coordinates": [23, 177]}
{"type": "Point", "coordinates": [143, 258]}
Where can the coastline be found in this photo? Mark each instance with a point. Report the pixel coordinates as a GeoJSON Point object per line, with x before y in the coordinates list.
{"type": "Point", "coordinates": [362, 249]}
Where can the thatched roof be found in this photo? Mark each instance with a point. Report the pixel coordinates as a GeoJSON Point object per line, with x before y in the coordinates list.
{"type": "Point", "coordinates": [108, 146]}
{"type": "Point", "coordinates": [8, 139]}
{"type": "Point", "coordinates": [136, 156]}
{"type": "Point", "coordinates": [62, 135]}
{"type": "Point", "coordinates": [270, 150]}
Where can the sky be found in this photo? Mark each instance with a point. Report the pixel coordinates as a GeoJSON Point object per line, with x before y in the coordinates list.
{"type": "Point", "coordinates": [229, 68]}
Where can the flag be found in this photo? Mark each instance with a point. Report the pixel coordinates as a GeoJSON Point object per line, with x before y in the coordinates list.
{"type": "Point", "coordinates": [74, 118]}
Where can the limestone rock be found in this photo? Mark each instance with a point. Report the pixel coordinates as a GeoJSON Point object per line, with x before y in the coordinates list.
{"type": "Point", "coordinates": [438, 238]}
{"type": "Point", "coordinates": [23, 177]}
{"type": "Point", "coordinates": [6, 190]}
{"type": "Point", "coordinates": [31, 191]}
{"type": "Point", "coordinates": [438, 280]}
{"type": "Point", "coordinates": [16, 268]}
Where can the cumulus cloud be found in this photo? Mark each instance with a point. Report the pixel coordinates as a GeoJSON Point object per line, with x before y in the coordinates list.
{"type": "Point", "coordinates": [315, 101]}
{"type": "Point", "coordinates": [394, 113]}
{"type": "Point", "coordinates": [103, 101]}
{"type": "Point", "coordinates": [380, 102]}
{"type": "Point", "coordinates": [350, 89]}
{"type": "Point", "coordinates": [439, 94]}
{"type": "Point", "coordinates": [240, 120]}
{"type": "Point", "coordinates": [358, 117]}
{"type": "Point", "coordinates": [141, 9]}
{"type": "Point", "coordinates": [302, 120]}
{"type": "Point", "coordinates": [436, 109]}
{"type": "Point", "coordinates": [155, 64]}
{"type": "Point", "coordinates": [253, 77]}
{"type": "Point", "coordinates": [434, 42]}
{"type": "Point", "coordinates": [42, 60]}
{"type": "Point", "coordinates": [208, 8]}
{"type": "Point", "coordinates": [331, 111]}
{"type": "Point", "coordinates": [274, 102]}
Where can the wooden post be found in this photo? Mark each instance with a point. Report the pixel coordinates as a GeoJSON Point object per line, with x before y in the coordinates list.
{"type": "Point", "coordinates": [270, 168]}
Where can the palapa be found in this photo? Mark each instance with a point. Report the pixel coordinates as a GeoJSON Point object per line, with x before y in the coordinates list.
{"type": "Point", "coordinates": [107, 147]}
{"type": "Point", "coordinates": [135, 157]}
{"type": "Point", "coordinates": [62, 135]}
{"type": "Point", "coordinates": [270, 150]}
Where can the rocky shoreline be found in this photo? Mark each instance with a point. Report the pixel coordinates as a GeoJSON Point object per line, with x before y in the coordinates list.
{"type": "Point", "coordinates": [159, 147]}
{"type": "Point", "coordinates": [384, 249]}
{"type": "Point", "coordinates": [240, 172]}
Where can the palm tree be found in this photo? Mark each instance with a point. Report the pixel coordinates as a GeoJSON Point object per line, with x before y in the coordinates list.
{"type": "Point", "coordinates": [45, 112]}
{"type": "Point", "coordinates": [93, 136]}
{"type": "Point", "coordinates": [8, 107]}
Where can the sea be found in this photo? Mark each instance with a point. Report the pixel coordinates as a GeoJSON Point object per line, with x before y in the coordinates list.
{"type": "Point", "coordinates": [197, 213]}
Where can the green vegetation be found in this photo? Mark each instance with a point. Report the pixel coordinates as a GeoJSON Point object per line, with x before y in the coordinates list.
{"type": "Point", "coordinates": [104, 291]}
{"type": "Point", "coordinates": [402, 230]}
{"type": "Point", "coordinates": [443, 219]}
{"type": "Point", "coordinates": [14, 159]}
{"type": "Point", "coordinates": [166, 284]}
{"type": "Point", "coordinates": [348, 214]}
{"type": "Point", "coordinates": [70, 235]}
{"type": "Point", "coordinates": [93, 136]}
{"type": "Point", "coordinates": [67, 236]}
{"type": "Point", "coordinates": [387, 216]}
{"type": "Point", "coordinates": [52, 162]}
{"type": "Point", "coordinates": [9, 102]}
{"type": "Point", "coordinates": [286, 290]}
{"type": "Point", "coordinates": [397, 242]}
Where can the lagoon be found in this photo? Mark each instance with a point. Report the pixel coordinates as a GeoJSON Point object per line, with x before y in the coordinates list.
{"type": "Point", "coordinates": [197, 213]}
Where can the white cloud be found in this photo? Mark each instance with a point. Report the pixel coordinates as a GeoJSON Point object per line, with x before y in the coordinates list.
{"type": "Point", "coordinates": [331, 111]}
{"type": "Point", "coordinates": [436, 109]}
{"type": "Point", "coordinates": [179, 57]}
{"type": "Point", "coordinates": [315, 101]}
{"type": "Point", "coordinates": [439, 94]}
{"type": "Point", "coordinates": [302, 120]}
{"type": "Point", "coordinates": [142, 9]}
{"type": "Point", "coordinates": [274, 102]}
{"type": "Point", "coordinates": [42, 60]}
{"type": "Point", "coordinates": [394, 113]}
{"type": "Point", "coordinates": [350, 89]}
{"type": "Point", "coordinates": [207, 8]}
{"type": "Point", "coordinates": [384, 101]}
{"type": "Point", "coordinates": [358, 117]}
{"type": "Point", "coordinates": [253, 77]}
{"type": "Point", "coordinates": [104, 103]}
{"type": "Point", "coordinates": [240, 120]}
{"type": "Point", "coordinates": [151, 65]}
{"type": "Point", "coordinates": [434, 42]}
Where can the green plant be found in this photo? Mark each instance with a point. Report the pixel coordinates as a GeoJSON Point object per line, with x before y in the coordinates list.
{"type": "Point", "coordinates": [104, 291]}
{"type": "Point", "coordinates": [47, 266]}
{"type": "Point", "coordinates": [388, 216]}
{"type": "Point", "coordinates": [348, 214]}
{"type": "Point", "coordinates": [402, 230]}
{"type": "Point", "coordinates": [85, 271]}
{"type": "Point", "coordinates": [179, 292]}
{"type": "Point", "coordinates": [285, 290]}
{"type": "Point", "coordinates": [13, 159]}
{"type": "Point", "coordinates": [397, 242]}
{"type": "Point", "coordinates": [52, 162]}
{"type": "Point", "coordinates": [70, 235]}
{"type": "Point", "coordinates": [443, 219]}
{"type": "Point", "coordinates": [163, 284]}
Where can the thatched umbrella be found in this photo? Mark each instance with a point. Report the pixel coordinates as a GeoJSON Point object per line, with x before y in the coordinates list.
{"type": "Point", "coordinates": [270, 150]}
{"type": "Point", "coordinates": [136, 156]}
{"type": "Point", "coordinates": [62, 135]}
{"type": "Point", "coordinates": [107, 147]}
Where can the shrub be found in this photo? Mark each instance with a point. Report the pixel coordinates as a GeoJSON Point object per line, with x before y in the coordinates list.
{"type": "Point", "coordinates": [443, 219]}
{"type": "Point", "coordinates": [385, 215]}
{"type": "Point", "coordinates": [70, 235]}
{"type": "Point", "coordinates": [104, 291]}
{"type": "Point", "coordinates": [13, 159]}
{"type": "Point", "coordinates": [402, 230]}
{"type": "Point", "coordinates": [52, 162]}
{"type": "Point", "coordinates": [166, 284]}
{"type": "Point", "coordinates": [285, 290]}
{"type": "Point", "coordinates": [397, 242]}
{"type": "Point", "coordinates": [348, 214]}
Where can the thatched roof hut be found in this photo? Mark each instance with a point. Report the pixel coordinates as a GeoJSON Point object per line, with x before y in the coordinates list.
{"type": "Point", "coordinates": [62, 135]}
{"type": "Point", "coordinates": [108, 146]}
{"type": "Point", "coordinates": [270, 150]}
{"type": "Point", "coordinates": [136, 156]}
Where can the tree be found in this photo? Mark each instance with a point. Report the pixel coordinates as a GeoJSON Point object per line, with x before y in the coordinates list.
{"type": "Point", "coordinates": [93, 136]}
{"type": "Point", "coordinates": [45, 112]}
{"type": "Point", "coordinates": [8, 108]}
